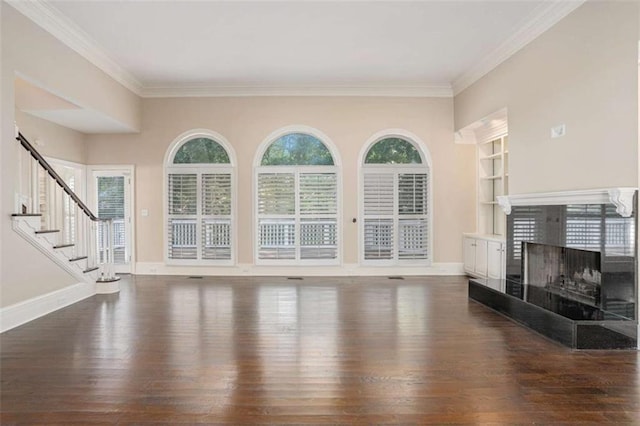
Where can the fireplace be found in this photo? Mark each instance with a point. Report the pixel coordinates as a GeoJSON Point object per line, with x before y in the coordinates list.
{"type": "Point", "coordinates": [571, 273]}
{"type": "Point", "coordinates": [570, 267]}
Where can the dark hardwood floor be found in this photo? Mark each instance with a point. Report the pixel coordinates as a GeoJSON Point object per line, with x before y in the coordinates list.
{"type": "Point", "coordinates": [319, 350]}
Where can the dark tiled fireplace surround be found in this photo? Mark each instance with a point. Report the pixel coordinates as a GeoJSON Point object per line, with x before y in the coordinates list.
{"type": "Point", "coordinates": [570, 274]}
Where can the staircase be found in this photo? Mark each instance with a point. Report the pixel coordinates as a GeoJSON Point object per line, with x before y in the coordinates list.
{"type": "Point", "coordinates": [54, 220]}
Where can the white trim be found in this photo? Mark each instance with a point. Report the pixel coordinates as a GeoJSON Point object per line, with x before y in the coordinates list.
{"type": "Point", "coordinates": [344, 270]}
{"type": "Point", "coordinates": [126, 168]}
{"type": "Point", "coordinates": [337, 168]}
{"type": "Point", "coordinates": [401, 133]}
{"type": "Point", "coordinates": [167, 165]}
{"type": "Point", "coordinates": [542, 18]}
{"type": "Point", "coordinates": [296, 128]}
{"type": "Point", "coordinates": [57, 24]}
{"type": "Point", "coordinates": [181, 91]}
{"type": "Point", "coordinates": [622, 198]}
{"type": "Point", "coordinates": [488, 128]}
{"type": "Point", "coordinates": [425, 154]}
{"type": "Point", "coordinates": [26, 227]}
{"type": "Point", "coordinates": [198, 133]}
{"type": "Point", "coordinates": [22, 312]}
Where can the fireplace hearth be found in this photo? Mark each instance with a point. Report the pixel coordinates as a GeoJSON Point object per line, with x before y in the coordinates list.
{"type": "Point", "coordinates": [570, 274]}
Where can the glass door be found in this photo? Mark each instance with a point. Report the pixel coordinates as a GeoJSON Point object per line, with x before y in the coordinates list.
{"type": "Point", "coordinates": [112, 200]}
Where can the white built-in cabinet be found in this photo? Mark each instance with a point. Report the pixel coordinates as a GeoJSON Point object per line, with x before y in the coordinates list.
{"type": "Point", "coordinates": [484, 256]}
{"type": "Point", "coordinates": [484, 250]}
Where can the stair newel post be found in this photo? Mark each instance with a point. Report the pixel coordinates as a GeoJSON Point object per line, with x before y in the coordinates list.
{"type": "Point", "coordinates": [106, 250]}
{"type": "Point", "coordinates": [110, 264]}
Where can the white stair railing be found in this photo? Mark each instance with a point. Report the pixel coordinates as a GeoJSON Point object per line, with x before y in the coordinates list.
{"type": "Point", "coordinates": [81, 232]}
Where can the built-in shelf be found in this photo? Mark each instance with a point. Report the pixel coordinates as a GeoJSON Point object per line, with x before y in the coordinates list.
{"type": "Point", "coordinates": [493, 175]}
{"type": "Point", "coordinates": [492, 156]}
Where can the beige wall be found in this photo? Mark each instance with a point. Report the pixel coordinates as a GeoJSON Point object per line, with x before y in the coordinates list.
{"type": "Point", "coordinates": [53, 140]}
{"type": "Point", "coordinates": [583, 73]}
{"type": "Point", "coordinates": [29, 51]}
{"type": "Point", "coordinates": [40, 58]}
{"type": "Point", "coordinates": [246, 122]}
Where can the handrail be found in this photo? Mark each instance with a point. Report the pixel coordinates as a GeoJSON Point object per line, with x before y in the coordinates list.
{"type": "Point", "coordinates": [40, 159]}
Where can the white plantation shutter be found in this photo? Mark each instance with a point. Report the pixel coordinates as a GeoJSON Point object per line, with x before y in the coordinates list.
{"type": "Point", "coordinates": [413, 226]}
{"type": "Point", "coordinates": [276, 226]}
{"type": "Point", "coordinates": [318, 211]}
{"type": "Point", "coordinates": [276, 194]}
{"type": "Point", "coordinates": [216, 194]}
{"type": "Point", "coordinates": [379, 194]}
{"type": "Point", "coordinates": [183, 221]}
{"type": "Point", "coordinates": [396, 221]}
{"type": "Point", "coordinates": [297, 215]}
{"type": "Point", "coordinates": [379, 223]}
{"type": "Point", "coordinates": [379, 241]}
{"type": "Point", "coordinates": [183, 194]}
{"type": "Point", "coordinates": [318, 193]}
{"type": "Point", "coordinates": [200, 208]}
{"type": "Point", "coordinates": [216, 216]}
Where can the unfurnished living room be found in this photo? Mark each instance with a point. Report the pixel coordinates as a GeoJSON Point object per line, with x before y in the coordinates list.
{"type": "Point", "coordinates": [319, 212]}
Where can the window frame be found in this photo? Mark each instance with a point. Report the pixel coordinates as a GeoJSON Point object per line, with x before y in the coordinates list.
{"type": "Point", "coordinates": [199, 169]}
{"type": "Point", "coordinates": [397, 169]}
{"type": "Point", "coordinates": [297, 170]}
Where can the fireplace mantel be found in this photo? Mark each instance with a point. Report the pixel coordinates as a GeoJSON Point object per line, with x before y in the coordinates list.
{"type": "Point", "coordinates": [622, 198]}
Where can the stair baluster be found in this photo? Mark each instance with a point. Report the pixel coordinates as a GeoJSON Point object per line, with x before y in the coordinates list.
{"type": "Point", "coordinates": [80, 231]}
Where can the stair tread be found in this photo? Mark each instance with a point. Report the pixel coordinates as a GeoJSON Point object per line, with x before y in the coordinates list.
{"type": "Point", "coordinates": [74, 259]}
{"type": "Point", "coordinates": [47, 231]}
{"type": "Point", "coordinates": [63, 246]}
{"type": "Point", "coordinates": [25, 214]}
{"type": "Point", "coordinates": [93, 268]}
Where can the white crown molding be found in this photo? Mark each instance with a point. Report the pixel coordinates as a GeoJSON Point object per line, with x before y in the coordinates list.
{"type": "Point", "coordinates": [622, 198]}
{"type": "Point", "coordinates": [543, 17]}
{"type": "Point", "coordinates": [178, 91]}
{"type": "Point", "coordinates": [52, 20]}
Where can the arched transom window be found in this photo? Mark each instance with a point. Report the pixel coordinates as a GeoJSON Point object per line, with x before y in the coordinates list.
{"type": "Point", "coordinates": [297, 202]}
{"type": "Point", "coordinates": [394, 202]}
{"type": "Point", "coordinates": [200, 207]}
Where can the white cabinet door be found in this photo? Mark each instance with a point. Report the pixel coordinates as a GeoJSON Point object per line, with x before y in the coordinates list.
{"type": "Point", "coordinates": [469, 255]}
{"type": "Point", "coordinates": [494, 259]}
{"type": "Point", "coordinates": [481, 258]}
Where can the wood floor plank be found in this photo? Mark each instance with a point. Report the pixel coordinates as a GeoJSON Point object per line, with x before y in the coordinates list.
{"type": "Point", "coordinates": [266, 350]}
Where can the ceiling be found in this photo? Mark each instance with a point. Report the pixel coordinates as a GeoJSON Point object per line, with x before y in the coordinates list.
{"type": "Point", "coordinates": [414, 48]}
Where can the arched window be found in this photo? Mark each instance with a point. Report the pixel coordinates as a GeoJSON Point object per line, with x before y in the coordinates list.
{"type": "Point", "coordinates": [395, 201]}
{"type": "Point", "coordinates": [297, 201]}
{"type": "Point", "coordinates": [200, 182]}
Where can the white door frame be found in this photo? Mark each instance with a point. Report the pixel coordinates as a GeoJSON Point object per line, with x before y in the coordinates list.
{"type": "Point", "coordinates": [128, 171]}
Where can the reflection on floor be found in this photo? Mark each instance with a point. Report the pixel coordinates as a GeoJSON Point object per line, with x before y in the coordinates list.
{"type": "Point", "coordinates": [318, 350]}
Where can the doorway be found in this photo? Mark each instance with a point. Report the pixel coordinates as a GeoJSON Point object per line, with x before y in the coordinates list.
{"type": "Point", "coordinates": [110, 195]}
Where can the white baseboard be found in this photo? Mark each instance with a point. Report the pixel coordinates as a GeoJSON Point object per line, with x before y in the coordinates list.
{"type": "Point", "coordinates": [20, 313]}
{"type": "Point", "coordinates": [159, 268]}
